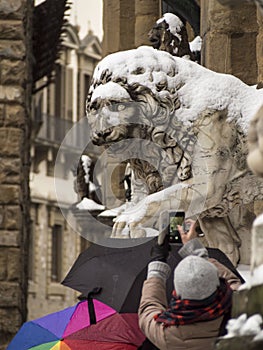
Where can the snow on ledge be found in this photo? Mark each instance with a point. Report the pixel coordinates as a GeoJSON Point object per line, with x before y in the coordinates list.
{"type": "Point", "coordinates": [89, 204]}
{"type": "Point", "coordinates": [256, 278]}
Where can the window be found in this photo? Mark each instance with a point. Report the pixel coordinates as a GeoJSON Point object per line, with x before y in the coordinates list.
{"type": "Point", "coordinates": [56, 253]}
{"type": "Point", "coordinates": [50, 168]}
{"type": "Point", "coordinates": [69, 94]}
{"type": "Point", "coordinates": [58, 91]}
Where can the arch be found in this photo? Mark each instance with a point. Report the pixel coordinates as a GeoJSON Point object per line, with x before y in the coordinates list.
{"type": "Point", "coordinates": [71, 35]}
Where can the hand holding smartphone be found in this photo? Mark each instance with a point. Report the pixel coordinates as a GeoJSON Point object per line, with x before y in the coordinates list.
{"type": "Point", "coordinates": [168, 225]}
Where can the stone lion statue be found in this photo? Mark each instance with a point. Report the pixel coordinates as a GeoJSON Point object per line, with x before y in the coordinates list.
{"type": "Point", "coordinates": [183, 129]}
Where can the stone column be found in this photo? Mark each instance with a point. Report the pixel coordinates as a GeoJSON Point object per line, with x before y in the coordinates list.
{"type": "Point", "coordinates": [118, 25]}
{"type": "Point", "coordinates": [15, 91]}
{"type": "Point", "coordinates": [127, 23]}
{"type": "Point", "coordinates": [146, 13]}
{"type": "Point", "coordinates": [229, 39]}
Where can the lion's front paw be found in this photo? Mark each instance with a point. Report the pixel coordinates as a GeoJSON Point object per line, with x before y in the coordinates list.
{"type": "Point", "coordinates": [123, 229]}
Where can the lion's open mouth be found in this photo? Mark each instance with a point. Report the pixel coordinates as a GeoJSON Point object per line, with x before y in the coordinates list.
{"type": "Point", "coordinates": [100, 138]}
{"type": "Point", "coordinates": [109, 135]}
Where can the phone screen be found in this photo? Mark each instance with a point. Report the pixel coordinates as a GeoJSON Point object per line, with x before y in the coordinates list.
{"type": "Point", "coordinates": [175, 218]}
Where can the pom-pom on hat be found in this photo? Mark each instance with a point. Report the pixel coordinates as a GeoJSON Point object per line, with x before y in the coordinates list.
{"type": "Point", "coordinates": [195, 278]}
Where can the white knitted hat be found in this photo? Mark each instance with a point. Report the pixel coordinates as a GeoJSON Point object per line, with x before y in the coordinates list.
{"type": "Point", "coordinates": [195, 278]}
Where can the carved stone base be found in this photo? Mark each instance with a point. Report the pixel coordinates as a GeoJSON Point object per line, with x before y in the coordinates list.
{"type": "Point", "coordinates": [238, 343]}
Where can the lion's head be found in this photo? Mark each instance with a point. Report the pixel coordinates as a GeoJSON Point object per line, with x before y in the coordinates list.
{"type": "Point", "coordinates": [118, 112]}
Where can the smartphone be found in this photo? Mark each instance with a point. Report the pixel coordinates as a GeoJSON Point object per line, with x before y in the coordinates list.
{"type": "Point", "coordinates": [175, 218]}
{"type": "Point", "coordinates": [169, 220]}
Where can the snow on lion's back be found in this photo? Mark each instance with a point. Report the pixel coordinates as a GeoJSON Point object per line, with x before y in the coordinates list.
{"type": "Point", "coordinates": [197, 87]}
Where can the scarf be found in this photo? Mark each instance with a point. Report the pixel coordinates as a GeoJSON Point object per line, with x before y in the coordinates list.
{"type": "Point", "coordinates": [181, 312]}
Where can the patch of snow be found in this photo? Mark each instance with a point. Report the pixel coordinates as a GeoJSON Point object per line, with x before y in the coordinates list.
{"type": "Point", "coordinates": [114, 211]}
{"type": "Point", "coordinates": [243, 325]}
{"type": "Point", "coordinates": [196, 87]}
{"type": "Point", "coordinates": [110, 90]}
{"type": "Point", "coordinates": [174, 24]}
{"type": "Point", "coordinates": [86, 161]}
{"type": "Point", "coordinates": [150, 232]}
{"type": "Point", "coordinates": [196, 44]}
{"type": "Point", "coordinates": [244, 271]}
{"type": "Point", "coordinates": [258, 221]}
{"type": "Point", "coordinates": [175, 51]}
{"type": "Point", "coordinates": [259, 336]}
{"type": "Point", "coordinates": [256, 278]}
{"type": "Point", "coordinates": [89, 204]}
{"type": "Point", "coordinates": [38, 2]}
{"type": "Point", "coordinates": [92, 187]}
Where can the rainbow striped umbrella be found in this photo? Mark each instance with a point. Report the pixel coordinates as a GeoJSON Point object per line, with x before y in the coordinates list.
{"type": "Point", "coordinates": [90, 324]}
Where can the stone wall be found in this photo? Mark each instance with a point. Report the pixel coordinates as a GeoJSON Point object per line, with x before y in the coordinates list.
{"type": "Point", "coordinates": [15, 94]}
{"type": "Point", "coordinates": [146, 14]}
{"type": "Point", "coordinates": [229, 39]}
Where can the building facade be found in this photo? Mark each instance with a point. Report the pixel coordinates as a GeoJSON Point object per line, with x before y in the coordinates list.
{"type": "Point", "coordinates": [56, 108]}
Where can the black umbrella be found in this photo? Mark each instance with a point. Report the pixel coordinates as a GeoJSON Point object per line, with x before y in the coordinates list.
{"type": "Point", "coordinates": [118, 273]}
